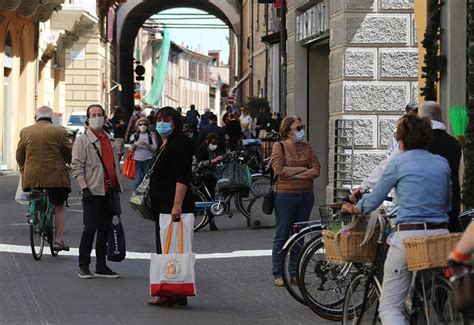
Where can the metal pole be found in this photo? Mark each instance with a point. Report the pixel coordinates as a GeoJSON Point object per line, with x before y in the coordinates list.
{"type": "Point", "coordinates": [252, 41]}
{"type": "Point", "coordinates": [266, 52]}
{"type": "Point", "coordinates": [283, 57]}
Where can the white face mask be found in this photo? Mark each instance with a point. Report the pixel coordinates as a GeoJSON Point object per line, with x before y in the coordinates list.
{"type": "Point", "coordinates": [96, 122]}
{"type": "Point", "coordinates": [212, 147]}
{"type": "Point", "coordinates": [143, 128]}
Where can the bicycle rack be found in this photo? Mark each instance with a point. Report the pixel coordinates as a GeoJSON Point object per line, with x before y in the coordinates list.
{"type": "Point", "coordinates": [343, 158]}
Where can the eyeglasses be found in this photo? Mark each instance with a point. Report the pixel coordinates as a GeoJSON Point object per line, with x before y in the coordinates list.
{"type": "Point", "coordinates": [299, 128]}
{"type": "Point", "coordinates": [214, 143]}
{"type": "Point", "coordinates": [142, 125]}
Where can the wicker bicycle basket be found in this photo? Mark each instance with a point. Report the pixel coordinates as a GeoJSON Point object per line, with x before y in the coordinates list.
{"type": "Point", "coordinates": [349, 246]}
{"type": "Point", "coordinates": [430, 251]}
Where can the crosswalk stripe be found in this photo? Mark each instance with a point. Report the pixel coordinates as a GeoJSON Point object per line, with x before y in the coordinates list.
{"type": "Point", "coordinates": [19, 249]}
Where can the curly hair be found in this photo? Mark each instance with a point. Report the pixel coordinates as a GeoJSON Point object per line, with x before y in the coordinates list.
{"type": "Point", "coordinates": [414, 131]}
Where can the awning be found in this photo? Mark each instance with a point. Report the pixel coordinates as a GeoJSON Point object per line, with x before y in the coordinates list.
{"type": "Point", "coordinates": [241, 81]}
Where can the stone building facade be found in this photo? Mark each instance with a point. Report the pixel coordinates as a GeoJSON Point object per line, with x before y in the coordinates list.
{"type": "Point", "coordinates": [366, 70]}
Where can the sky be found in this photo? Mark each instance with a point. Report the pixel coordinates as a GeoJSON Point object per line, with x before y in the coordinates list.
{"type": "Point", "coordinates": [203, 39]}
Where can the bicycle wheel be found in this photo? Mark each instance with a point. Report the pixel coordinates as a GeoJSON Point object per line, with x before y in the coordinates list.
{"type": "Point", "coordinates": [36, 235]}
{"type": "Point", "coordinates": [201, 210]}
{"type": "Point", "coordinates": [322, 283]}
{"type": "Point", "coordinates": [439, 303]}
{"type": "Point", "coordinates": [291, 260]}
{"type": "Point", "coordinates": [361, 301]}
{"type": "Point", "coordinates": [245, 205]}
{"type": "Point", "coordinates": [51, 234]}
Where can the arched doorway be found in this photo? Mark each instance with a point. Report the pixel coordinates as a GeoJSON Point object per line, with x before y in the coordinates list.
{"type": "Point", "coordinates": [131, 16]}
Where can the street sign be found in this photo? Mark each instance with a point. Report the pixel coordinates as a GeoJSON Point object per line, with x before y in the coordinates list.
{"type": "Point", "coordinates": [231, 100]}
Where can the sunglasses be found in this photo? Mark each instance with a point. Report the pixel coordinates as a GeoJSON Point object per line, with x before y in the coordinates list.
{"type": "Point", "coordinates": [142, 124]}
{"type": "Point", "coordinates": [299, 128]}
{"type": "Point", "coordinates": [215, 143]}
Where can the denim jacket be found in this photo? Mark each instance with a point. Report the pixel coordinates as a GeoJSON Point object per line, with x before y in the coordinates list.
{"type": "Point", "coordinates": [423, 185]}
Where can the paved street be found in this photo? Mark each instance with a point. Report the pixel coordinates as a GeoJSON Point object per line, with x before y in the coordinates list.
{"type": "Point", "coordinates": [232, 290]}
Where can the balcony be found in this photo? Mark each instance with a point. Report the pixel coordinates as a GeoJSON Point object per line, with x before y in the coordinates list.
{"type": "Point", "coordinates": [76, 19]}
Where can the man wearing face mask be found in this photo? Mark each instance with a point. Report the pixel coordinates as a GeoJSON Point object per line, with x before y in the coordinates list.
{"type": "Point", "coordinates": [207, 160]}
{"type": "Point", "coordinates": [96, 169]}
{"type": "Point", "coordinates": [295, 166]}
{"type": "Point", "coordinates": [212, 127]}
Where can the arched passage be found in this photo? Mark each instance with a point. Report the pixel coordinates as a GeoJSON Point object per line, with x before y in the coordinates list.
{"type": "Point", "coordinates": [131, 16]}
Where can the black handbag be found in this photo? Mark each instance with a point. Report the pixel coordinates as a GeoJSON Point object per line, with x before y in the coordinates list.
{"type": "Point", "coordinates": [269, 196]}
{"type": "Point", "coordinates": [113, 196]}
{"type": "Point", "coordinates": [116, 246]}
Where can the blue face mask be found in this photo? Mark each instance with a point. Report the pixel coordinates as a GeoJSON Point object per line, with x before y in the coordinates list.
{"type": "Point", "coordinates": [164, 128]}
{"type": "Point", "coordinates": [299, 136]}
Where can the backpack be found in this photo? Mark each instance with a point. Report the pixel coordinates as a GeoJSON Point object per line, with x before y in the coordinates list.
{"type": "Point", "coordinates": [136, 136]}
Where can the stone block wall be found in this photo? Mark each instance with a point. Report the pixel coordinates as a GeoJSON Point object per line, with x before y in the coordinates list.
{"type": "Point", "coordinates": [373, 74]}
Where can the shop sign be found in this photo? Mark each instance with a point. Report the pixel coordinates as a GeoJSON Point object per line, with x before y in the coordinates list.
{"type": "Point", "coordinates": [313, 24]}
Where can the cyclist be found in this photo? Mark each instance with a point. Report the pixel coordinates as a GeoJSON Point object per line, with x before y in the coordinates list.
{"type": "Point", "coordinates": [43, 152]}
{"type": "Point", "coordinates": [207, 159]}
{"type": "Point", "coordinates": [442, 144]}
{"type": "Point", "coordinates": [422, 183]}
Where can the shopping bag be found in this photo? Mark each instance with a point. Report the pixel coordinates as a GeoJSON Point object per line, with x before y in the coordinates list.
{"type": "Point", "coordinates": [129, 166]}
{"type": "Point", "coordinates": [116, 245]}
{"type": "Point", "coordinates": [20, 196]}
{"type": "Point", "coordinates": [172, 274]}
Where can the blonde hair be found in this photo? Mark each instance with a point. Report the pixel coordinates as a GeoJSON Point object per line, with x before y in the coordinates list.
{"type": "Point", "coordinates": [285, 127]}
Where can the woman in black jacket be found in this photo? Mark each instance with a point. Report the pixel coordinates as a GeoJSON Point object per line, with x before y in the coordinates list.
{"type": "Point", "coordinates": [207, 159]}
{"type": "Point", "coordinates": [170, 187]}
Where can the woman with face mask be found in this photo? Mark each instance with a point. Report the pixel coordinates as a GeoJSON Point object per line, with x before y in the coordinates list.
{"type": "Point", "coordinates": [144, 147]}
{"type": "Point", "coordinates": [295, 166]}
{"type": "Point", "coordinates": [207, 159]}
{"type": "Point", "coordinates": [171, 194]}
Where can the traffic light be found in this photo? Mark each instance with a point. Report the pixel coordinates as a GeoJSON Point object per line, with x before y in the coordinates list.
{"type": "Point", "coordinates": [139, 71]}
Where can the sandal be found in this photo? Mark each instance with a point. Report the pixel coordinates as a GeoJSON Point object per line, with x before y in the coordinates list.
{"type": "Point", "coordinates": [60, 246]}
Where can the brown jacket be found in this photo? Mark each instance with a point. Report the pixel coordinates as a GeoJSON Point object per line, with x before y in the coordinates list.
{"type": "Point", "coordinates": [42, 154]}
{"type": "Point", "coordinates": [86, 166]}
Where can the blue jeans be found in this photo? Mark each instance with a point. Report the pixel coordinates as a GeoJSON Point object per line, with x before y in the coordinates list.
{"type": "Point", "coordinates": [289, 208]}
{"type": "Point", "coordinates": [141, 168]}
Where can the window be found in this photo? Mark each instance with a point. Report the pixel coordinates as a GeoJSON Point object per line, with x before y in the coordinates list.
{"type": "Point", "coordinates": [192, 70]}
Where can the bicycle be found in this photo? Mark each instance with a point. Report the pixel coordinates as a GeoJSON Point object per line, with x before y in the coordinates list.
{"type": "Point", "coordinates": [430, 293]}
{"type": "Point", "coordinates": [42, 223]}
{"type": "Point", "coordinates": [220, 204]}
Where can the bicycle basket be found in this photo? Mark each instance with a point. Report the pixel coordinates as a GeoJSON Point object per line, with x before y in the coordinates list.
{"type": "Point", "coordinates": [233, 176]}
{"type": "Point", "coordinates": [430, 251]}
{"type": "Point", "coordinates": [346, 247]}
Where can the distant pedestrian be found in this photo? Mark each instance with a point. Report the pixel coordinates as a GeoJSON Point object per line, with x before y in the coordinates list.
{"type": "Point", "coordinates": [170, 187]}
{"type": "Point", "coordinates": [275, 122]}
{"type": "Point", "coordinates": [234, 132]}
{"type": "Point", "coordinates": [207, 159]}
{"type": "Point", "coordinates": [215, 129]}
{"type": "Point", "coordinates": [296, 166]}
{"type": "Point", "coordinates": [226, 117]}
{"type": "Point", "coordinates": [144, 147]}
{"type": "Point", "coordinates": [120, 127]}
{"type": "Point", "coordinates": [205, 119]}
{"type": "Point", "coordinates": [192, 120]}
{"type": "Point", "coordinates": [131, 129]}
{"type": "Point", "coordinates": [98, 182]}
{"type": "Point", "coordinates": [246, 123]}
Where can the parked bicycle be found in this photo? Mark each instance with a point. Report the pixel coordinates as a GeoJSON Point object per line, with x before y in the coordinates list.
{"type": "Point", "coordinates": [42, 224]}
{"type": "Point", "coordinates": [220, 204]}
{"type": "Point", "coordinates": [430, 294]}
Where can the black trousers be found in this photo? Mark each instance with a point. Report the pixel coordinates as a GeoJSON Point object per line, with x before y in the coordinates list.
{"type": "Point", "coordinates": [97, 219]}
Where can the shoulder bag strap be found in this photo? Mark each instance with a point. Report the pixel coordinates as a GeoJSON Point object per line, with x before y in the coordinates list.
{"type": "Point", "coordinates": [109, 182]}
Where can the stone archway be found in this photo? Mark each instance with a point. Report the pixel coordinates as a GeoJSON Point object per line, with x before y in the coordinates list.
{"type": "Point", "coordinates": [131, 16]}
